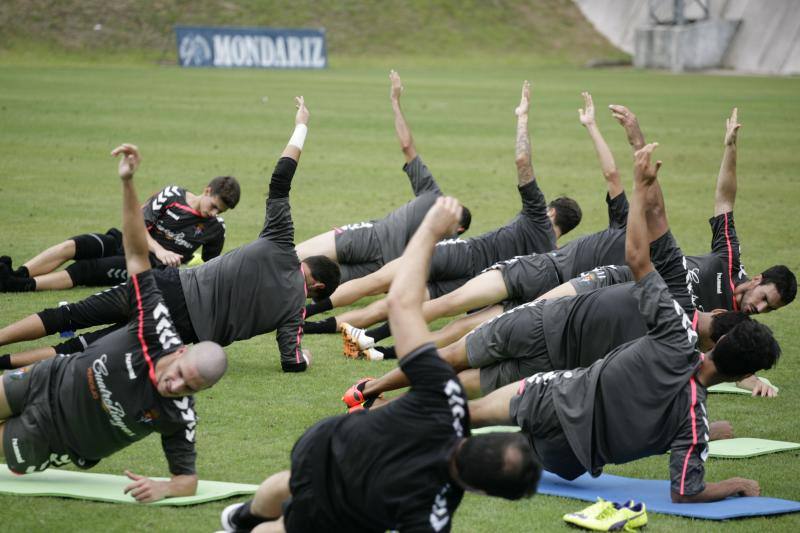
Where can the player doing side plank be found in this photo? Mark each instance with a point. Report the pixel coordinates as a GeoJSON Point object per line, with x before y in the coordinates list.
{"type": "Point", "coordinates": [405, 467]}
{"type": "Point", "coordinates": [653, 388]}
{"type": "Point", "coordinates": [132, 382]}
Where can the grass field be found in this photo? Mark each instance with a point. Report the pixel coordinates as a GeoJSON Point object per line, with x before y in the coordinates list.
{"type": "Point", "coordinates": [60, 120]}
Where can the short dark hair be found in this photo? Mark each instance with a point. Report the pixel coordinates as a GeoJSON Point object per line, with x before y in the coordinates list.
{"type": "Point", "coordinates": [466, 219]}
{"type": "Point", "coordinates": [568, 213]}
{"type": "Point", "coordinates": [500, 464]}
{"type": "Point", "coordinates": [784, 280]}
{"type": "Point", "coordinates": [746, 349]}
{"type": "Point", "coordinates": [722, 323]}
{"type": "Point", "coordinates": [227, 188]}
{"type": "Point", "coordinates": [326, 271]}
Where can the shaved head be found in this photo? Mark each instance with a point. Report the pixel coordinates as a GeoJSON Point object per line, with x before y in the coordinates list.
{"type": "Point", "coordinates": [209, 359]}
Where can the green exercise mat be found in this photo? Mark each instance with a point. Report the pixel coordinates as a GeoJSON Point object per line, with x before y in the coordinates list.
{"type": "Point", "coordinates": [495, 429]}
{"type": "Point", "coordinates": [106, 487]}
{"type": "Point", "coordinates": [731, 388]}
{"type": "Point", "coordinates": [747, 447]}
{"type": "Point", "coordinates": [725, 449]}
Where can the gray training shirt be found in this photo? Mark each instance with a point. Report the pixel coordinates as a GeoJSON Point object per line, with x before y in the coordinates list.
{"type": "Point", "coordinates": [643, 398]}
{"type": "Point", "coordinates": [254, 289]}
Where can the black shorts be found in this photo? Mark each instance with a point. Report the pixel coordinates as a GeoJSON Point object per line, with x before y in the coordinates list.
{"type": "Point", "coordinates": [527, 277]}
{"type": "Point", "coordinates": [358, 251]}
{"type": "Point", "coordinates": [534, 411]}
{"type": "Point", "coordinates": [305, 511]}
{"type": "Point", "coordinates": [509, 347]}
{"type": "Point", "coordinates": [112, 306]}
{"type": "Point", "coordinates": [27, 436]}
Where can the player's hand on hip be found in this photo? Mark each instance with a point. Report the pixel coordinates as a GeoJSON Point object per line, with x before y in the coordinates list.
{"type": "Point", "coordinates": [130, 160]}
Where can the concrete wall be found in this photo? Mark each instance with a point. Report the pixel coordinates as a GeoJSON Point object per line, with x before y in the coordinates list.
{"type": "Point", "coordinates": [766, 42]}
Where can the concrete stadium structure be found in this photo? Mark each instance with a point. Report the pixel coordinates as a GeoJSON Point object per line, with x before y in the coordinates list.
{"type": "Point", "coordinates": [767, 40]}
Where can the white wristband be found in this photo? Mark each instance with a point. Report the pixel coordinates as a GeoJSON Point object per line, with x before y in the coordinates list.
{"type": "Point", "coordinates": [299, 136]}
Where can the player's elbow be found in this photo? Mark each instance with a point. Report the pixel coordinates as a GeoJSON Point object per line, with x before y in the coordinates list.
{"type": "Point", "coordinates": [611, 175]}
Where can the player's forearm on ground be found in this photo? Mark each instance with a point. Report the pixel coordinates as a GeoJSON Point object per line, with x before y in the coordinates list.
{"type": "Point", "coordinates": [403, 131]}
{"type": "Point", "coordinates": [607, 163]}
{"type": "Point", "coordinates": [134, 233]}
{"type": "Point", "coordinates": [713, 492]}
{"type": "Point", "coordinates": [392, 380]}
{"type": "Point", "coordinates": [182, 485]}
{"type": "Point", "coordinates": [725, 195]}
{"type": "Point", "coordinates": [523, 152]}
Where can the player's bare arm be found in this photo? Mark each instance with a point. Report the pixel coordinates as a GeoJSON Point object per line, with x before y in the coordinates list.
{"type": "Point", "coordinates": [133, 229]}
{"type": "Point", "coordinates": [712, 492]}
{"type": "Point", "coordinates": [523, 147]}
{"type": "Point", "coordinates": [165, 256]}
{"type": "Point", "coordinates": [630, 123]}
{"type": "Point", "coordinates": [408, 288]}
{"type": "Point", "coordinates": [400, 124]}
{"type": "Point", "coordinates": [296, 142]}
{"type": "Point", "coordinates": [147, 490]}
{"type": "Point", "coordinates": [586, 116]}
{"type": "Point", "coordinates": [637, 243]}
{"type": "Point", "coordinates": [725, 195]}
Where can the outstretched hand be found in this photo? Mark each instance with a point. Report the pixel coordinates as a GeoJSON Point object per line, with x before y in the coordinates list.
{"type": "Point", "coordinates": [623, 115]}
{"type": "Point", "coordinates": [524, 101]}
{"type": "Point", "coordinates": [444, 217]}
{"type": "Point", "coordinates": [302, 111]}
{"type": "Point", "coordinates": [586, 115]}
{"type": "Point", "coordinates": [144, 489]}
{"type": "Point", "coordinates": [397, 85]}
{"type": "Point", "coordinates": [732, 128]}
{"type": "Point", "coordinates": [130, 160]}
{"type": "Point", "coordinates": [644, 171]}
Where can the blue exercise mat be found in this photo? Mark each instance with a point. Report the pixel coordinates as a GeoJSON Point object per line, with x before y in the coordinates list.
{"type": "Point", "coordinates": [655, 494]}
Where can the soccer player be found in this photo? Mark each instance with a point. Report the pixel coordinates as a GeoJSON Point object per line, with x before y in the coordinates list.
{"type": "Point", "coordinates": [718, 280]}
{"type": "Point", "coordinates": [643, 398]}
{"type": "Point", "coordinates": [178, 223]}
{"type": "Point", "coordinates": [137, 380]}
{"type": "Point", "coordinates": [521, 279]}
{"type": "Point", "coordinates": [563, 333]}
{"type": "Point", "coordinates": [364, 247]}
{"type": "Point", "coordinates": [404, 467]}
{"type": "Point", "coordinates": [254, 289]}
{"type": "Point", "coordinates": [456, 261]}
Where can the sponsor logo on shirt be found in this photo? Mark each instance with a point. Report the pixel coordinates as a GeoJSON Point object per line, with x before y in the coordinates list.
{"type": "Point", "coordinates": [177, 238]}
{"type": "Point", "coordinates": [19, 374]}
{"type": "Point", "coordinates": [692, 278]}
{"type": "Point", "coordinates": [129, 365]}
{"type": "Point", "coordinates": [439, 516]}
{"type": "Point", "coordinates": [719, 282]}
{"type": "Point", "coordinates": [17, 453]}
{"type": "Point", "coordinates": [350, 227]}
{"type": "Point", "coordinates": [114, 409]}
{"type": "Point", "coordinates": [447, 242]}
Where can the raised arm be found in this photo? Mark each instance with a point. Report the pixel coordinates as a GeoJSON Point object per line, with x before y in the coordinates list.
{"type": "Point", "coordinates": [637, 242]}
{"type": "Point", "coordinates": [298, 138]}
{"type": "Point", "coordinates": [523, 153]}
{"type": "Point", "coordinates": [607, 164]}
{"type": "Point", "coordinates": [134, 234]}
{"type": "Point", "coordinates": [400, 124]}
{"type": "Point", "coordinates": [408, 287]}
{"type": "Point", "coordinates": [725, 195]}
{"type": "Point", "coordinates": [628, 121]}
